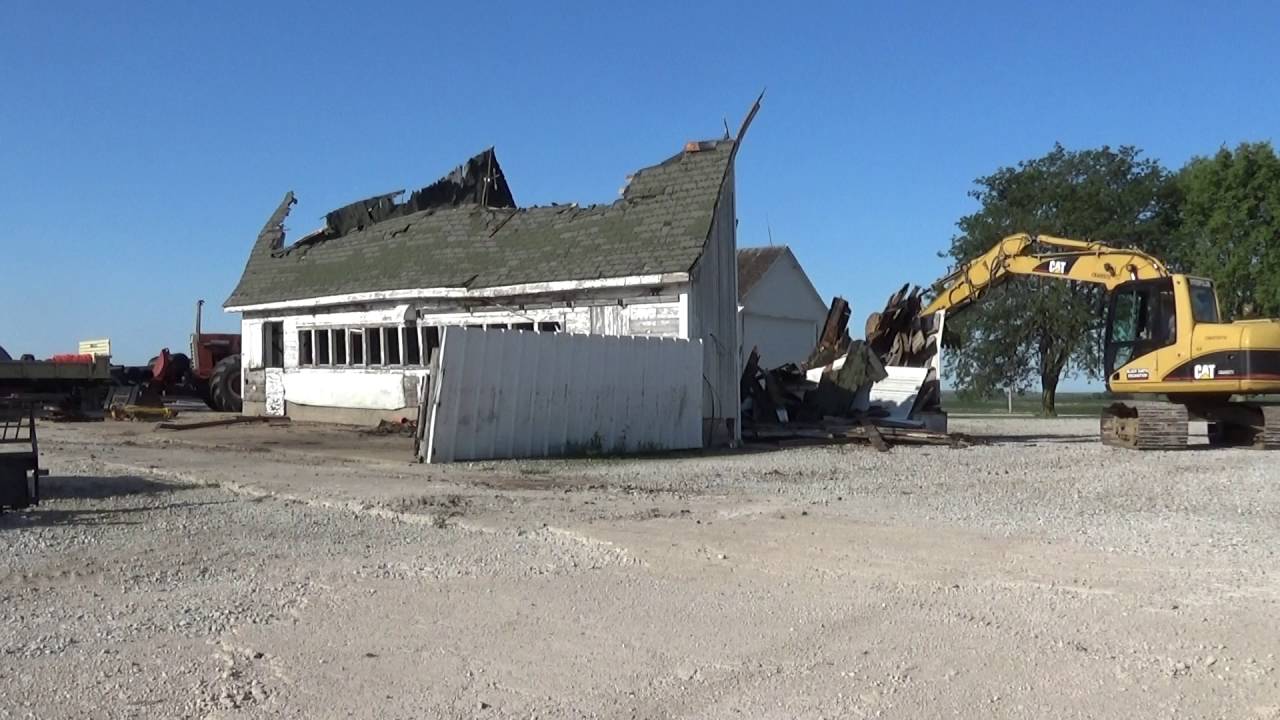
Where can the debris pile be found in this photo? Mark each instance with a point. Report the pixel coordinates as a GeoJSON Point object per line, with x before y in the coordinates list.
{"type": "Point", "coordinates": [881, 389]}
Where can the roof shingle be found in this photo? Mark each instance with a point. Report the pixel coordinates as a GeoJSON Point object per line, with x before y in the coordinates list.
{"type": "Point", "coordinates": [660, 225]}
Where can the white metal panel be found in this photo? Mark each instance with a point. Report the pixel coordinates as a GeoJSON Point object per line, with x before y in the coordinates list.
{"type": "Point", "coordinates": [897, 393]}
{"type": "Point", "coordinates": [346, 388]}
{"type": "Point", "coordinates": [508, 394]}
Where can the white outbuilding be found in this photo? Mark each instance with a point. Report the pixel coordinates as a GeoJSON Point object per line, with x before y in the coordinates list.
{"type": "Point", "coordinates": [779, 312]}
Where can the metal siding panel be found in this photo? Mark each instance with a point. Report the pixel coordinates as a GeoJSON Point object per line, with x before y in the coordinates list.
{"type": "Point", "coordinates": [514, 394]}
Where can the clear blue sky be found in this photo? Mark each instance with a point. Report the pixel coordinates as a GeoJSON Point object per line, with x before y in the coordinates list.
{"type": "Point", "coordinates": [144, 144]}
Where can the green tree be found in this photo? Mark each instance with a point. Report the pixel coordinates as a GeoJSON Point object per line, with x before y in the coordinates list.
{"type": "Point", "coordinates": [1229, 227]}
{"type": "Point", "coordinates": [1031, 329]}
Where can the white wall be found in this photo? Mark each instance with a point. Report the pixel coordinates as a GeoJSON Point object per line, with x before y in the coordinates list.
{"type": "Point", "coordinates": [395, 387]}
{"type": "Point", "coordinates": [779, 340]}
{"type": "Point", "coordinates": [782, 315]}
{"type": "Point", "coordinates": [511, 394]}
{"type": "Point", "coordinates": [713, 319]}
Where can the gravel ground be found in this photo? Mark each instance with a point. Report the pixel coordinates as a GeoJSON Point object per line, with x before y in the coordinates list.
{"type": "Point", "coordinates": [241, 572]}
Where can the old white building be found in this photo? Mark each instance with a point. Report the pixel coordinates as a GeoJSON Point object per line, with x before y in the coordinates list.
{"type": "Point", "coordinates": [779, 311]}
{"type": "Point", "coordinates": [340, 324]}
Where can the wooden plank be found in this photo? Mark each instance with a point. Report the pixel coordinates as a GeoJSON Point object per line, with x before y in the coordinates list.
{"type": "Point", "coordinates": [215, 423]}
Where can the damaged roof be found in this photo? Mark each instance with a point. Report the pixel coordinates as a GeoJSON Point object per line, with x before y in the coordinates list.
{"type": "Point", "coordinates": [463, 232]}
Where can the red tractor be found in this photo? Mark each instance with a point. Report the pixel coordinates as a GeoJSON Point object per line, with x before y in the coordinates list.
{"type": "Point", "coordinates": [211, 372]}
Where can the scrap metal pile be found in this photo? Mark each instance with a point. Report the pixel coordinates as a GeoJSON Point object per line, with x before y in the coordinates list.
{"type": "Point", "coordinates": [881, 389]}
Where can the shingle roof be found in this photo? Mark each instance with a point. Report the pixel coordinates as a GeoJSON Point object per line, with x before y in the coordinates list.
{"type": "Point", "coordinates": [753, 263]}
{"type": "Point", "coordinates": [660, 225]}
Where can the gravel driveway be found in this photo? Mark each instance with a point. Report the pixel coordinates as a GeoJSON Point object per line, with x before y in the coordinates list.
{"type": "Point", "coordinates": [234, 573]}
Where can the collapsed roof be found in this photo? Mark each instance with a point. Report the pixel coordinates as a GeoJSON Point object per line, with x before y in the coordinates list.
{"type": "Point", "coordinates": [464, 231]}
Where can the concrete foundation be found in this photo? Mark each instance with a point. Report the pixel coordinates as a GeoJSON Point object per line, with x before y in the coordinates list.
{"type": "Point", "coordinates": [342, 416]}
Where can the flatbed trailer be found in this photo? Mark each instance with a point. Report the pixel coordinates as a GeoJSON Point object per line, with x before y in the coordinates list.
{"type": "Point", "coordinates": [74, 387]}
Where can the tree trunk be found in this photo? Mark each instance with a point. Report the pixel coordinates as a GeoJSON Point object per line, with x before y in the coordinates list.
{"type": "Point", "coordinates": [1049, 394]}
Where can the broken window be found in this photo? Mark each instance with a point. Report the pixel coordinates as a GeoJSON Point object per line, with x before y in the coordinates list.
{"type": "Point", "coordinates": [322, 347]}
{"type": "Point", "coordinates": [373, 346]}
{"type": "Point", "coordinates": [339, 347]}
{"type": "Point", "coordinates": [391, 346]}
{"type": "Point", "coordinates": [522, 326]}
{"type": "Point", "coordinates": [273, 344]}
{"type": "Point", "coordinates": [548, 327]}
{"type": "Point", "coordinates": [304, 348]}
{"type": "Point", "coordinates": [412, 346]}
{"type": "Point", "coordinates": [430, 341]}
{"type": "Point", "coordinates": [356, 338]}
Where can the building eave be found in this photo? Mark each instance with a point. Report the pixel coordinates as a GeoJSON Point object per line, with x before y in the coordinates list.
{"type": "Point", "coordinates": [525, 289]}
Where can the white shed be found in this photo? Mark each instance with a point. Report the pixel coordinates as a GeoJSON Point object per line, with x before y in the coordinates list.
{"type": "Point", "coordinates": [779, 311]}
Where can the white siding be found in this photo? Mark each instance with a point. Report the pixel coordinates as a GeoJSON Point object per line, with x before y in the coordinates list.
{"type": "Point", "coordinates": [779, 340]}
{"type": "Point", "coordinates": [782, 315]}
{"type": "Point", "coordinates": [510, 394]}
{"type": "Point", "coordinates": [713, 319]}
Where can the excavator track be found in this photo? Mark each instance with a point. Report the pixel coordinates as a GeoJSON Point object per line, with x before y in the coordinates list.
{"type": "Point", "coordinates": [1145, 426]}
{"type": "Point", "coordinates": [1269, 438]}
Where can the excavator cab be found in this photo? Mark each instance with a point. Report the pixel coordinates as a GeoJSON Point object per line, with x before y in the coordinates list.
{"type": "Point", "coordinates": [1142, 318]}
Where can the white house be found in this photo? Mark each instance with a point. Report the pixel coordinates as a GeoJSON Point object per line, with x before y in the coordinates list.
{"type": "Point", "coordinates": [340, 325]}
{"type": "Point", "coordinates": [779, 311]}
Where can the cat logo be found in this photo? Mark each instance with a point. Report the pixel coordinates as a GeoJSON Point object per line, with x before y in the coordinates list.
{"type": "Point", "coordinates": [1058, 267]}
{"type": "Point", "coordinates": [1204, 372]}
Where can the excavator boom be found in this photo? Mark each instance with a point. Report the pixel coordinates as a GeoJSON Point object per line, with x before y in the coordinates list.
{"type": "Point", "coordinates": [1068, 260]}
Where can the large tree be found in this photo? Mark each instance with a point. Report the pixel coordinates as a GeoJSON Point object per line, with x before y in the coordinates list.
{"type": "Point", "coordinates": [1030, 329]}
{"type": "Point", "coordinates": [1229, 227]}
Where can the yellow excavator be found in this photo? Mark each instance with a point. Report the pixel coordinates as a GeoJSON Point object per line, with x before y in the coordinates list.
{"type": "Point", "coordinates": [1164, 336]}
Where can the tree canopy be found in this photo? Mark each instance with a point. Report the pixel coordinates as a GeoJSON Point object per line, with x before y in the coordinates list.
{"type": "Point", "coordinates": [1030, 329]}
{"type": "Point", "coordinates": [1229, 227]}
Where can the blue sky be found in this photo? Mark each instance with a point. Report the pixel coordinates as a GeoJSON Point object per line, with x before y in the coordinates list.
{"type": "Point", "coordinates": [144, 144]}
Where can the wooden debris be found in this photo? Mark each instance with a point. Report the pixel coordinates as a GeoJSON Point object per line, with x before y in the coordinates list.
{"type": "Point", "coordinates": [217, 423]}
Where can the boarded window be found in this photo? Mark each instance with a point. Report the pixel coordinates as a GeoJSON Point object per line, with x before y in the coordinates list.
{"type": "Point", "coordinates": [412, 345]}
{"type": "Point", "coordinates": [357, 346]}
{"type": "Point", "coordinates": [273, 344]}
{"type": "Point", "coordinates": [339, 347]}
{"type": "Point", "coordinates": [304, 348]}
{"type": "Point", "coordinates": [373, 346]}
{"type": "Point", "coordinates": [322, 347]}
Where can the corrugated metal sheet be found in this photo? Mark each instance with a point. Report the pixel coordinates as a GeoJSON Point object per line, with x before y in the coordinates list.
{"type": "Point", "coordinates": [513, 394]}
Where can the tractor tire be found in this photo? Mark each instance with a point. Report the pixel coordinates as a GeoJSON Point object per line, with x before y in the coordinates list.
{"type": "Point", "coordinates": [224, 385]}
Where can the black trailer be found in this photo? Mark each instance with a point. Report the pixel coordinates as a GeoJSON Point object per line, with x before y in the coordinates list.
{"type": "Point", "coordinates": [20, 470]}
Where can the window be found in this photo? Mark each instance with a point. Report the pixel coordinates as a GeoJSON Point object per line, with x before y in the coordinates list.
{"type": "Point", "coordinates": [430, 341]}
{"type": "Point", "coordinates": [305, 356]}
{"type": "Point", "coordinates": [356, 338]}
{"type": "Point", "coordinates": [339, 347]}
{"type": "Point", "coordinates": [373, 346]}
{"type": "Point", "coordinates": [322, 348]}
{"type": "Point", "coordinates": [273, 344]}
{"type": "Point", "coordinates": [391, 346]}
{"type": "Point", "coordinates": [1204, 302]}
{"type": "Point", "coordinates": [522, 326]}
{"type": "Point", "coordinates": [548, 327]}
{"type": "Point", "coordinates": [412, 345]}
{"type": "Point", "coordinates": [1142, 319]}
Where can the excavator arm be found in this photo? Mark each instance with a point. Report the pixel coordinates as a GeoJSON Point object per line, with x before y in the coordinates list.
{"type": "Point", "coordinates": [1066, 259]}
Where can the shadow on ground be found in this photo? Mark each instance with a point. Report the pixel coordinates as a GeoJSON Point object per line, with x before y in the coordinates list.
{"type": "Point", "coordinates": [89, 487]}
{"type": "Point", "coordinates": [59, 491]}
